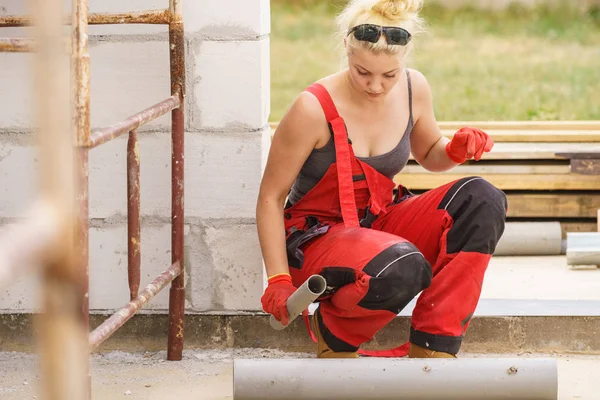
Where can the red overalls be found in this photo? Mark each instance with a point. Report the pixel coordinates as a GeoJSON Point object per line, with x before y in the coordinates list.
{"type": "Point", "coordinates": [378, 251]}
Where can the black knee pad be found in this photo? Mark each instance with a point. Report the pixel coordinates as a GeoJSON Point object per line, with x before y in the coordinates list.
{"type": "Point", "coordinates": [398, 274]}
{"type": "Point", "coordinates": [478, 209]}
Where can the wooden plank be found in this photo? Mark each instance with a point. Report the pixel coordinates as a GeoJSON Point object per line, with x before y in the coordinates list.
{"type": "Point", "coordinates": [577, 227]}
{"type": "Point", "coordinates": [552, 205]}
{"type": "Point", "coordinates": [505, 181]}
{"type": "Point", "coordinates": [538, 136]}
{"type": "Point", "coordinates": [523, 125]}
{"type": "Point", "coordinates": [586, 167]}
{"type": "Point", "coordinates": [536, 151]}
{"type": "Point", "coordinates": [481, 168]}
{"type": "Point", "coordinates": [586, 154]}
{"type": "Point", "coordinates": [514, 125]}
{"type": "Point", "coordinates": [541, 136]}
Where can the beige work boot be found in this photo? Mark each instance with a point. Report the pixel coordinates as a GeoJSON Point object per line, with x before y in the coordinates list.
{"type": "Point", "coordinates": [323, 350]}
{"type": "Point", "coordinates": [421, 352]}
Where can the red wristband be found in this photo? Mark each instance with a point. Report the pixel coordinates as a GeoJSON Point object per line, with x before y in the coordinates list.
{"type": "Point", "coordinates": [277, 278]}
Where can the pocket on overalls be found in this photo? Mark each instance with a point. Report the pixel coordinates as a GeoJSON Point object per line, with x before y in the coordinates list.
{"type": "Point", "coordinates": [298, 237]}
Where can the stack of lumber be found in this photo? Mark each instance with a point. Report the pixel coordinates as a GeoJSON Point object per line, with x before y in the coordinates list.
{"type": "Point", "coordinates": [540, 185]}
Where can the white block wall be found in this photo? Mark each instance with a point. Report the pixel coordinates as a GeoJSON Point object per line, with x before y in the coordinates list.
{"type": "Point", "coordinates": [227, 137]}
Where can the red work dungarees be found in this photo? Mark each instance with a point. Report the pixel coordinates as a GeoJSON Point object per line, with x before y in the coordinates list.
{"type": "Point", "coordinates": [347, 223]}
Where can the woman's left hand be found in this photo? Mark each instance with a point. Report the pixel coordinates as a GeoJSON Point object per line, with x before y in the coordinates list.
{"type": "Point", "coordinates": [468, 143]}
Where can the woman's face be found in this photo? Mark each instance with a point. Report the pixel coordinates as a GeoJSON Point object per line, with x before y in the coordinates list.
{"type": "Point", "coordinates": [374, 75]}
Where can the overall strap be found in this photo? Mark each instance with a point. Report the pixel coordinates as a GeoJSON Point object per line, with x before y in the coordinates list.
{"type": "Point", "coordinates": [343, 154]}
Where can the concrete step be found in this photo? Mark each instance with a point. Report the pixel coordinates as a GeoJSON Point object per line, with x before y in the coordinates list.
{"type": "Point", "coordinates": [528, 304]}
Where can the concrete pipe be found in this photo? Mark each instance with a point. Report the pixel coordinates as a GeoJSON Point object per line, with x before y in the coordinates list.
{"type": "Point", "coordinates": [531, 239]}
{"type": "Point", "coordinates": [299, 301]}
{"type": "Point", "coordinates": [387, 379]}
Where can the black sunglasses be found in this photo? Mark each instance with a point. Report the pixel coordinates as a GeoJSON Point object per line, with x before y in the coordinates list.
{"type": "Point", "coordinates": [371, 33]}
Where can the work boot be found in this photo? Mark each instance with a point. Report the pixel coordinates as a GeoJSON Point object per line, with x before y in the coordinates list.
{"type": "Point", "coordinates": [421, 352]}
{"type": "Point", "coordinates": [323, 350]}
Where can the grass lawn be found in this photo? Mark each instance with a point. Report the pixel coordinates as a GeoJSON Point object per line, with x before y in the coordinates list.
{"type": "Point", "coordinates": [513, 65]}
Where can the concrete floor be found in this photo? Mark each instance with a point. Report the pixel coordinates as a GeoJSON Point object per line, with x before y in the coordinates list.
{"type": "Point", "coordinates": [207, 375]}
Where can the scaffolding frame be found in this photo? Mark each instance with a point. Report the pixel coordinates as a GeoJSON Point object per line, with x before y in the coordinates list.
{"type": "Point", "coordinates": [55, 234]}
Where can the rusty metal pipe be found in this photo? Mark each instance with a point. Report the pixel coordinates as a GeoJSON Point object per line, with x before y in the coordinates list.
{"type": "Point", "coordinates": [114, 322]}
{"type": "Point", "coordinates": [133, 214]}
{"type": "Point", "coordinates": [177, 292]}
{"type": "Point", "coordinates": [16, 45]}
{"type": "Point", "coordinates": [153, 17]}
{"type": "Point", "coordinates": [25, 45]}
{"type": "Point", "coordinates": [133, 122]}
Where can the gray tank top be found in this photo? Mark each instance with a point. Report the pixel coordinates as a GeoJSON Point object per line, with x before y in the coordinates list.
{"type": "Point", "coordinates": [319, 160]}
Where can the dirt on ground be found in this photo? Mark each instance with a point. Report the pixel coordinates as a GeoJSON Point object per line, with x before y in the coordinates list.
{"type": "Point", "coordinates": [208, 375]}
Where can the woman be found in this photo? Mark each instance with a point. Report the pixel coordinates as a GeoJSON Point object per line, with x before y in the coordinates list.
{"type": "Point", "coordinates": [333, 156]}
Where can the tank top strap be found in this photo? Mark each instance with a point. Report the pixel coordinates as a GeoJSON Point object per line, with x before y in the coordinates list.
{"type": "Point", "coordinates": [410, 107]}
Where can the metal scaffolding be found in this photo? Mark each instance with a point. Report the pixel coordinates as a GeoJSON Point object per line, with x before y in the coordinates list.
{"type": "Point", "coordinates": [55, 235]}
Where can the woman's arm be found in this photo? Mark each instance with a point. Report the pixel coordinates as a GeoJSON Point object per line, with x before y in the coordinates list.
{"type": "Point", "coordinates": [296, 136]}
{"type": "Point", "coordinates": [428, 146]}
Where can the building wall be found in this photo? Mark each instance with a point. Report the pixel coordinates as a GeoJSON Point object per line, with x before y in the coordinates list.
{"type": "Point", "coordinates": [227, 109]}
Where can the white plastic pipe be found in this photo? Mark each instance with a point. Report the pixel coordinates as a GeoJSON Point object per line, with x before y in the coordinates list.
{"type": "Point", "coordinates": [299, 301]}
{"type": "Point", "coordinates": [530, 238]}
{"type": "Point", "coordinates": [387, 379]}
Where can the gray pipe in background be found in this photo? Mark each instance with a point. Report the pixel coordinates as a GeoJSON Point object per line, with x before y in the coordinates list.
{"type": "Point", "coordinates": [531, 239]}
{"type": "Point", "coordinates": [387, 379]}
{"type": "Point", "coordinates": [303, 297]}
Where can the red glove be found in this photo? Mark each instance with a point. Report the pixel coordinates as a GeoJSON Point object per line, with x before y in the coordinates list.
{"type": "Point", "coordinates": [468, 143]}
{"type": "Point", "coordinates": [274, 300]}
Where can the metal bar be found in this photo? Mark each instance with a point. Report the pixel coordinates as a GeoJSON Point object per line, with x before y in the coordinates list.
{"type": "Point", "coordinates": [22, 245]}
{"type": "Point", "coordinates": [155, 17]}
{"type": "Point", "coordinates": [133, 214]}
{"type": "Point", "coordinates": [387, 379]}
{"type": "Point", "coordinates": [177, 292]}
{"type": "Point", "coordinates": [80, 120]}
{"type": "Point", "coordinates": [80, 66]}
{"type": "Point", "coordinates": [118, 319]}
{"type": "Point", "coordinates": [133, 122]}
{"type": "Point", "coordinates": [62, 335]}
{"type": "Point", "coordinates": [16, 45]}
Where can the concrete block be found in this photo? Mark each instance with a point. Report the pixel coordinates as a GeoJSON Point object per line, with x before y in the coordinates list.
{"type": "Point", "coordinates": [16, 85]}
{"type": "Point", "coordinates": [225, 265]}
{"type": "Point", "coordinates": [18, 176]}
{"type": "Point", "coordinates": [109, 289]}
{"type": "Point", "coordinates": [126, 78]}
{"type": "Point", "coordinates": [231, 85]}
{"type": "Point", "coordinates": [222, 176]}
{"type": "Point", "coordinates": [228, 19]}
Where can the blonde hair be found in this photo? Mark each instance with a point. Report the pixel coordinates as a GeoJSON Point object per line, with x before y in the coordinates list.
{"type": "Point", "coordinates": [399, 13]}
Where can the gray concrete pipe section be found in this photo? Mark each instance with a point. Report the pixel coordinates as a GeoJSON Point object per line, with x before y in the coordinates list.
{"type": "Point", "coordinates": [303, 297]}
{"type": "Point", "coordinates": [387, 379]}
{"type": "Point", "coordinates": [531, 239]}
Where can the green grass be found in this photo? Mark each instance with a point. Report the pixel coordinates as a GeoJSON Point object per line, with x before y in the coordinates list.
{"type": "Point", "coordinates": [519, 64]}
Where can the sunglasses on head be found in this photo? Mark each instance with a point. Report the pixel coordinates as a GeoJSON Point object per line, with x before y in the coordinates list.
{"type": "Point", "coordinates": [371, 33]}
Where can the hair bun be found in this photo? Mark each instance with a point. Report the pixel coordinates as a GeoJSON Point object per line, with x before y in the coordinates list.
{"type": "Point", "coordinates": [394, 10]}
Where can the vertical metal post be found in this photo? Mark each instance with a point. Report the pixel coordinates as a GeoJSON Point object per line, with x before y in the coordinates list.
{"type": "Point", "coordinates": [80, 108]}
{"type": "Point", "coordinates": [62, 336]}
{"type": "Point", "coordinates": [133, 215]}
{"type": "Point", "coordinates": [177, 291]}
{"type": "Point", "coordinates": [80, 86]}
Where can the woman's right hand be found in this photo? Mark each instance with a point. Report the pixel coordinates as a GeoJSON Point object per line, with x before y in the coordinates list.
{"type": "Point", "coordinates": [274, 300]}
